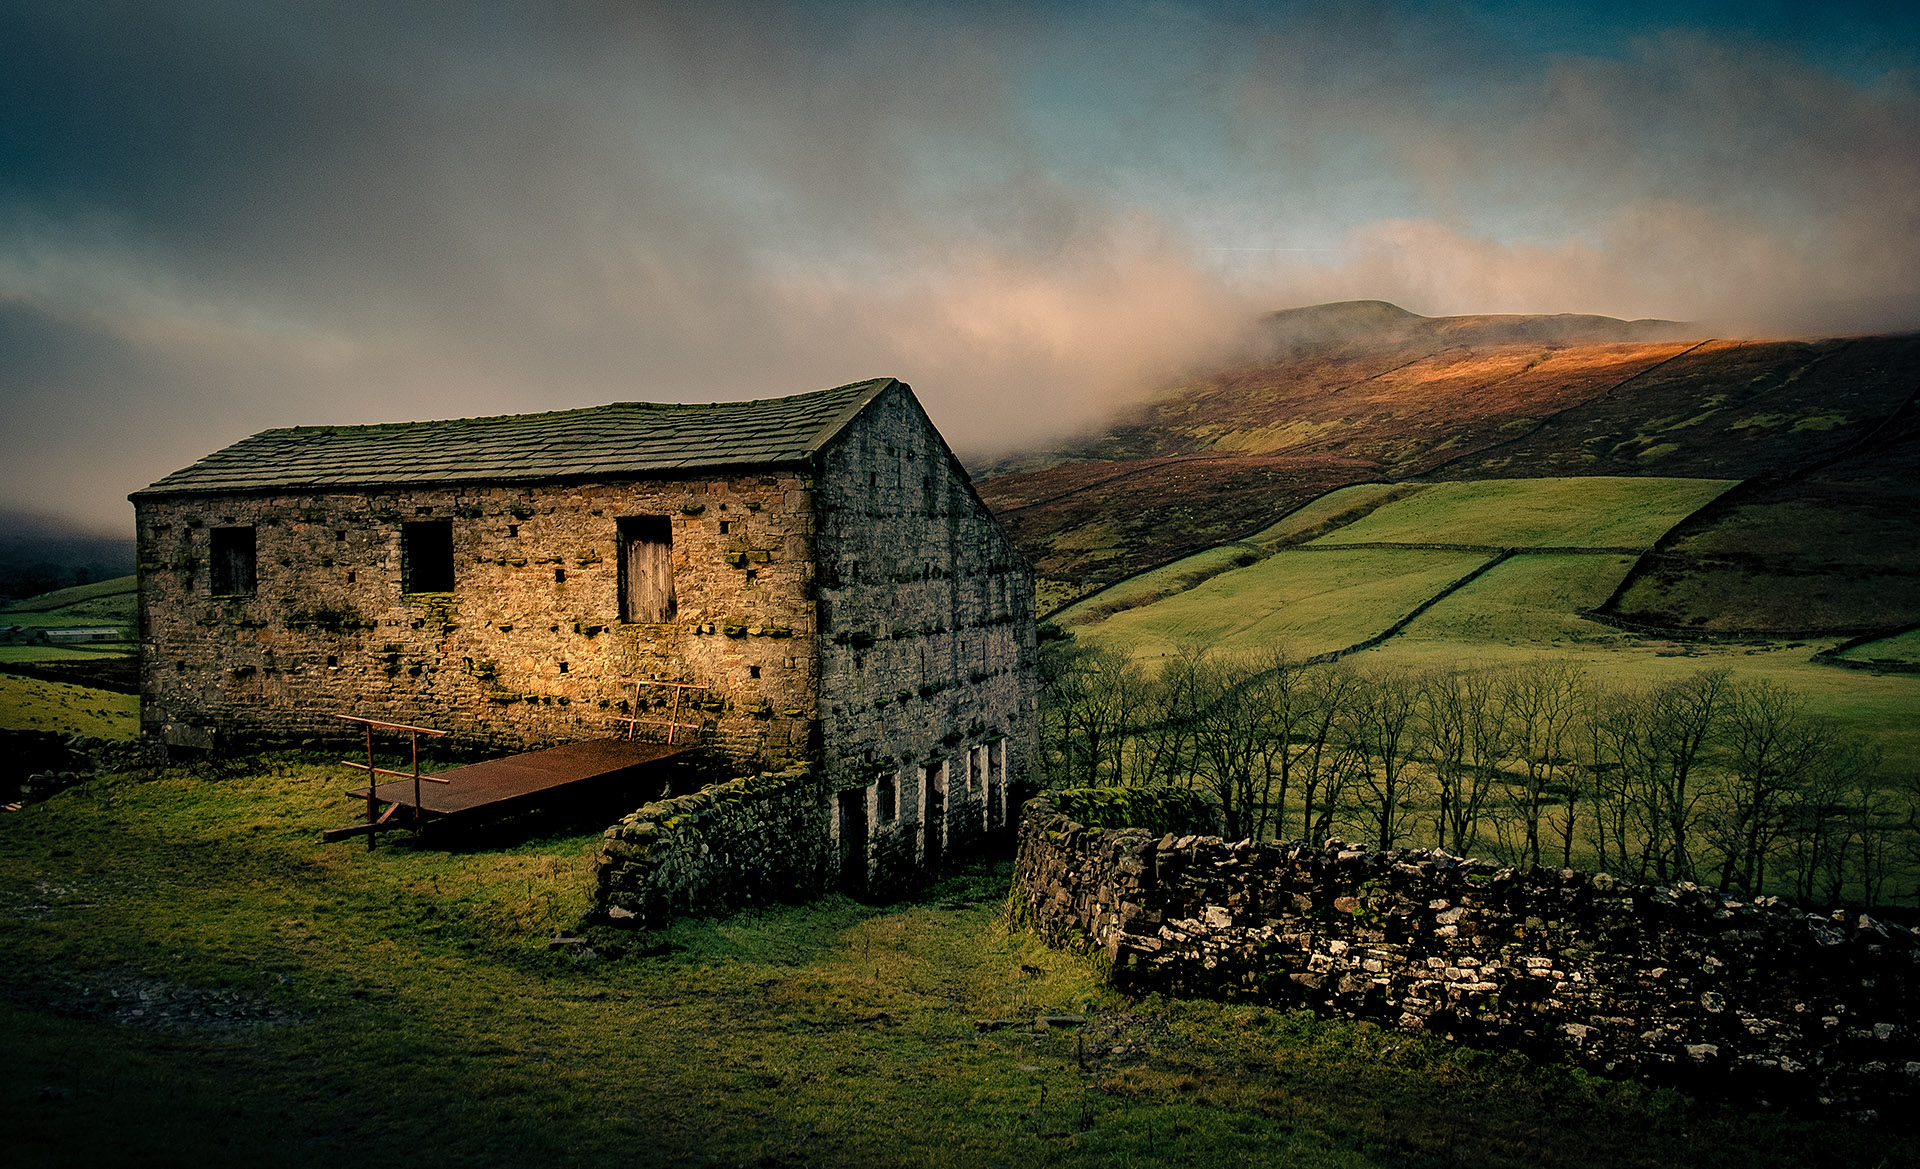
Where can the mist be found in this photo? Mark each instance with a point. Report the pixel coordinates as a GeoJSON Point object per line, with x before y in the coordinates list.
{"type": "Point", "coordinates": [216, 218]}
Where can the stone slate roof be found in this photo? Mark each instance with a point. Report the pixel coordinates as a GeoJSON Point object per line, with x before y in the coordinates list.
{"type": "Point", "coordinates": [615, 441]}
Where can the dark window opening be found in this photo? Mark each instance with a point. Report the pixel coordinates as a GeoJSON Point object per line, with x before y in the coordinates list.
{"type": "Point", "coordinates": [426, 556]}
{"type": "Point", "coordinates": [753, 671]}
{"type": "Point", "coordinates": [352, 576]}
{"type": "Point", "coordinates": [559, 576]}
{"type": "Point", "coordinates": [725, 525]}
{"type": "Point", "coordinates": [646, 569]}
{"type": "Point", "coordinates": [563, 667]}
{"type": "Point", "coordinates": [333, 660]}
{"type": "Point", "coordinates": [338, 536]}
{"type": "Point", "coordinates": [233, 562]}
{"type": "Point", "coordinates": [888, 799]}
{"type": "Point", "coordinates": [853, 840]}
{"type": "Point", "coordinates": [513, 530]}
{"type": "Point", "coordinates": [934, 784]}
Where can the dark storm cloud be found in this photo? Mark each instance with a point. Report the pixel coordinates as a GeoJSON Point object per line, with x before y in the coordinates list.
{"type": "Point", "coordinates": [220, 217]}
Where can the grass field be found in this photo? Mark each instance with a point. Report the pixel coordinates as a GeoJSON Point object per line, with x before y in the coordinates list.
{"type": "Point", "coordinates": [1527, 606]}
{"type": "Point", "coordinates": [119, 587]}
{"type": "Point", "coordinates": [1901, 647]}
{"type": "Point", "coordinates": [1598, 512]}
{"type": "Point", "coordinates": [1311, 601]}
{"type": "Point", "coordinates": [187, 977]}
{"type": "Point", "coordinates": [63, 653]}
{"type": "Point", "coordinates": [1529, 600]}
{"type": "Point", "coordinates": [30, 704]}
{"type": "Point", "coordinates": [107, 602]}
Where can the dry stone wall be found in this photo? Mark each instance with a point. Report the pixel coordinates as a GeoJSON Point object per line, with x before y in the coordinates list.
{"type": "Point", "coordinates": [1756, 999]}
{"type": "Point", "coordinates": [748, 841]}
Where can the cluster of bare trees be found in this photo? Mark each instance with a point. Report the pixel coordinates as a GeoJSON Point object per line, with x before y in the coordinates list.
{"type": "Point", "coordinates": [1706, 778]}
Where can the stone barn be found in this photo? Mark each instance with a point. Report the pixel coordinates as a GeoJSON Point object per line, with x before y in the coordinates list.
{"type": "Point", "coordinates": [817, 566]}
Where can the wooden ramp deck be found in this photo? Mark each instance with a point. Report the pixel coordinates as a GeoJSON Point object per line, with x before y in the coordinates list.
{"type": "Point", "coordinates": [497, 784]}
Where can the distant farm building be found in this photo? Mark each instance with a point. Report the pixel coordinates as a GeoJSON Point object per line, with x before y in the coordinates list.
{"type": "Point", "coordinates": [81, 636]}
{"type": "Point", "coordinates": [818, 566]}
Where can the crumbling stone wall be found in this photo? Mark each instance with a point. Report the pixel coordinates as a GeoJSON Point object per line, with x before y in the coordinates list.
{"type": "Point", "coordinates": [748, 841]}
{"type": "Point", "coordinates": [926, 641]}
{"type": "Point", "coordinates": [527, 649]}
{"type": "Point", "coordinates": [1676, 984]}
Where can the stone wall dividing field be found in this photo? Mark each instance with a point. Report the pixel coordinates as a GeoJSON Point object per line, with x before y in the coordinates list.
{"type": "Point", "coordinates": [1753, 999]}
{"type": "Point", "coordinates": [748, 841]}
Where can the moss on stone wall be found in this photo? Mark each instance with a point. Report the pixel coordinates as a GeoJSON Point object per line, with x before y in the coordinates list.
{"type": "Point", "coordinates": [747, 841]}
{"type": "Point", "coordinates": [1158, 809]}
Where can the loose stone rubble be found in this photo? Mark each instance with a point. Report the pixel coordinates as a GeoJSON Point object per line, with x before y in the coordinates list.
{"type": "Point", "coordinates": [1676, 984]}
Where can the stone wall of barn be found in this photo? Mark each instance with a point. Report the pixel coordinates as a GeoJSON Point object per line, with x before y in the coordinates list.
{"type": "Point", "coordinates": [528, 646]}
{"type": "Point", "coordinates": [926, 649]}
{"type": "Point", "coordinates": [1676, 984]}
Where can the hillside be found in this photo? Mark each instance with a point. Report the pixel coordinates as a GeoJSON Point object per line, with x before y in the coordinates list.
{"type": "Point", "coordinates": [1367, 392]}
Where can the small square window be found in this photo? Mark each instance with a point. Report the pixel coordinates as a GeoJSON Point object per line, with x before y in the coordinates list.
{"type": "Point", "coordinates": [753, 671]}
{"type": "Point", "coordinates": [352, 576]}
{"type": "Point", "coordinates": [725, 526]}
{"type": "Point", "coordinates": [563, 667]}
{"type": "Point", "coordinates": [559, 576]}
{"type": "Point", "coordinates": [888, 798]}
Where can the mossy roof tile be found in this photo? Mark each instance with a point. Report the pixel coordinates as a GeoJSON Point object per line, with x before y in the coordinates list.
{"type": "Point", "coordinates": [624, 438]}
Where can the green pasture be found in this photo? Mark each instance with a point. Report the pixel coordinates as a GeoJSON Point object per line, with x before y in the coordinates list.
{"type": "Point", "coordinates": [64, 653]}
{"type": "Point", "coordinates": [1901, 647]}
{"type": "Point", "coordinates": [101, 590]}
{"type": "Point", "coordinates": [1329, 510]}
{"type": "Point", "coordinates": [1532, 599]}
{"type": "Point", "coordinates": [1525, 607]}
{"type": "Point", "coordinates": [1298, 526]}
{"type": "Point", "coordinates": [1596, 512]}
{"type": "Point", "coordinates": [30, 704]}
{"type": "Point", "coordinates": [189, 978]}
{"type": "Point", "coordinates": [1312, 601]}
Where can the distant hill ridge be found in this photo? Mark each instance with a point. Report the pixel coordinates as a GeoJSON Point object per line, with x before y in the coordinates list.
{"type": "Point", "coordinates": [1380, 322]}
{"type": "Point", "coordinates": [1365, 391]}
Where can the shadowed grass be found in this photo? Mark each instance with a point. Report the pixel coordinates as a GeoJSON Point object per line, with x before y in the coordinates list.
{"type": "Point", "coordinates": [31, 704]}
{"type": "Point", "coordinates": [401, 1006]}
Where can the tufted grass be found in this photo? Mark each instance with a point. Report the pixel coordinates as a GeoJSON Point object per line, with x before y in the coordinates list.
{"type": "Point", "coordinates": [33, 704]}
{"type": "Point", "coordinates": [425, 1021]}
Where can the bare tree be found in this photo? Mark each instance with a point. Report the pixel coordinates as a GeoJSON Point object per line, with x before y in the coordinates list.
{"type": "Point", "coordinates": [1772, 747]}
{"type": "Point", "coordinates": [1325, 761]}
{"type": "Point", "coordinates": [1089, 699]}
{"type": "Point", "coordinates": [1683, 725]}
{"type": "Point", "coordinates": [1539, 703]}
{"type": "Point", "coordinates": [1382, 731]}
{"type": "Point", "coordinates": [1464, 741]}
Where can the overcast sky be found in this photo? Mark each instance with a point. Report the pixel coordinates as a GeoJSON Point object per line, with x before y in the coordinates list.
{"type": "Point", "coordinates": [217, 218]}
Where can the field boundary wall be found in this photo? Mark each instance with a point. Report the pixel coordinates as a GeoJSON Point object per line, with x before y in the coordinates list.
{"type": "Point", "coordinates": [1758, 999]}
{"type": "Point", "coordinates": [748, 841]}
